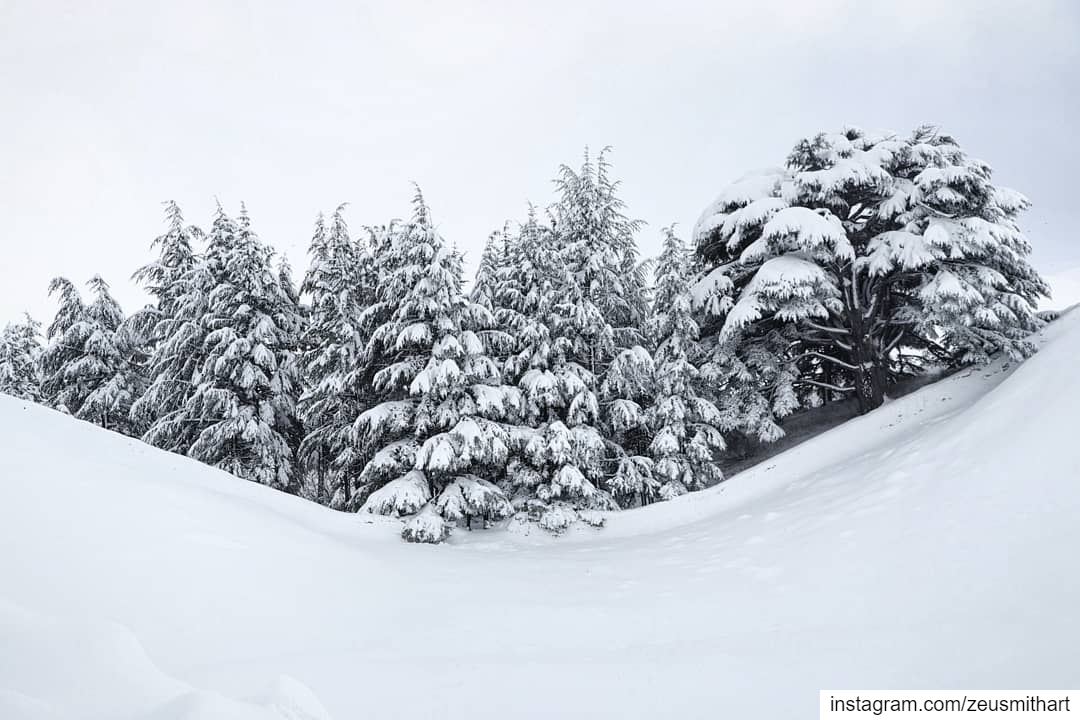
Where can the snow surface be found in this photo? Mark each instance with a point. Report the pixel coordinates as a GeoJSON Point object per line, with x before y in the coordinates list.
{"type": "Point", "coordinates": [930, 544]}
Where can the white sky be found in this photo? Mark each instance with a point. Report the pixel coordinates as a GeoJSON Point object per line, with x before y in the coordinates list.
{"type": "Point", "coordinates": [109, 108]}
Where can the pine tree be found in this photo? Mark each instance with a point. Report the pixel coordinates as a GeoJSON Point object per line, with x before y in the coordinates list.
{"type": "Point", "coordinates": [437, 437]}
{"type": "Point", "coordinates": [340, 284]}
{"type": "Point", "coordinates": [176, 257]}
{"type": "Point", "coordinates": [241, 402]}
{"type": "Point", "coordinates": [524, 298]}
{"type": "Point", "coordinates": [491, 271]}
{"type": "Point", "coordinates": [862, 260]}
{"type": "Point", "coordinates": [574, 299]}
{"type": "Point", "coordinates": [20, 352]}
{"type": "Point", "coordinates": [544, 476]}
{"type": "Point", "coordinates": [626, 395]}
{"type": "Point", "coordinates": [179, 283]}
{"type": "Point", "coordinates": [87, 366]}
{"type": "Point", "coordinates": [594, 302]}
{"type": "Point", "coordinates": [685, 424]}
{"type": "Point", "coordinates": [596, 240]}
{"type": "Point", "coordinates": [66, 337]}
{"type": "Point", "coordinates": [111, 352]}
{"type": "Point", "coordinates": [288, 384]}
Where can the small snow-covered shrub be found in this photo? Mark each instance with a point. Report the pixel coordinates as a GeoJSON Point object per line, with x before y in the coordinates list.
{"type": "Point", "coordinates": [425, 527]}
{"type": "Point", "coordinates": [557, 518]}
{"type": "Point", "coordinates": [403, 496]}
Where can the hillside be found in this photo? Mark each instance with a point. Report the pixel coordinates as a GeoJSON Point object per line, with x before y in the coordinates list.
{"type": "Point", "coordinates": [926, 545]}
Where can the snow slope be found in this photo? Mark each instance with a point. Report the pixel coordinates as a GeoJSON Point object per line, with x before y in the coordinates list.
{"type": "Point", "coordinates": [930, 544]}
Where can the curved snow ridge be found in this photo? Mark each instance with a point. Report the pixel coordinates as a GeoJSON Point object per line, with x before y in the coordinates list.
{"type": "Point", "coordinates": [76, 669]}
{"type": "Point", "coordinates": [33, 428]}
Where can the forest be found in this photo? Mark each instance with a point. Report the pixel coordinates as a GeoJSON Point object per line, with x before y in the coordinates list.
{"type": "Point", "coordinates": [568, 377]}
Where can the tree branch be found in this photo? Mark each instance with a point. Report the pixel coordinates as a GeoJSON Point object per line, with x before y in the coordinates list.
{"type": "Point", "coordinates": [823, 356]}
{"type": "Point", "coordinates": [827, 386]}
{"type": "Point", "coordinates": [823, 328]}
{"type": "Point", "coordinates": [891, 345]}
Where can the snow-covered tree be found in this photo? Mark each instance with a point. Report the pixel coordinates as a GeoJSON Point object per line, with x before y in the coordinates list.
{"type": "Point", "coordinates": [685, 424]}
{"type": "Point", "coordinates": [340, 284]}
{"type": "Point", "coordinates": [608, 303]}
{"type": "Point", "coordinates": [20, 352]}
{"type": "Point", "coordinates": [865, 257]}
{"type": "Point", "coordinates": [627, 393]}
{"type": "Point", "coordinates": [66, 336]}
{"type": "Point", "coordinates": [178, 358]}
{"type": "Point", "coordinates": [176, 257]}
{"type": "Point", "coordinates": [244, 389]}
{"type": "Point", "coordinates": [111, 353]}
{"type": "Point", "coordinates": [574, 298]}
{"type": "Point", "coordinates": [600, 306]}
{"type": "Point", "coordinates": [544, 476]}
{"type": "Point", "coordinates": [166, 324]}
{"type": "Point", "coordinates": [491, 271]}
{"type": "Point", "coordinates": [87, 365]}
{"type": "Point", "coordinates": [292, 320]}
{"type": "Point", "coordinates": [437, 438]}
{"type": "Point", "coordinates": [524, 301]}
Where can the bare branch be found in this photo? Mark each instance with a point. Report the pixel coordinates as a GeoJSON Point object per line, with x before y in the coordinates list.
{"type": "Point", "coordinates": [823, 328]}
{"type": "Point", "coordinates": [891, 345]}
{"type": "Point", "coordinates": [827, 386]}
{"type": "Point", "coordinates": [823, 356]}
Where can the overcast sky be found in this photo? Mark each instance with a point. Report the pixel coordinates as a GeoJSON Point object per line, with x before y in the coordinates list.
{"type": "Point", "coordinates": [109, 108]}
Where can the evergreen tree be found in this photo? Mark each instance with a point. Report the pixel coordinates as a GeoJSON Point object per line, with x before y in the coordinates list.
{"type": "Point", "coordinates": [176, 257]}
{"type": "Point", "coordinates": [20, 352]}
{"type": "Point", "coordinates": [491, 271]}
{"type": "Point", "coordinates": [179, 283]}
{"type": "Point", "coordinates": [87, 366]}
{"type": "Point", "coordinates": [685, 424]}
{"type": "Point", "coordinates": [626, 394]}
{"type": "Point", "coordinates": [862, 260]}
{"type": "Point", "coordinates": [594, 302]}
{"type": "Point", "coordinates": [242, 397]}
{"type": "Point", "coordinates": [292, 319]}
{"type": "Point", "coordinates": [575, 299]}
{"type": "Point", "coordinates": [66, 337]}
{"type": "Point", "coordinates": [545, 475]}
{"type": "Point", "coordinates": [596, 240]}
{"type": "Point", "coordinates": [340, 285]}
{"type": "Point", "coordinates": [437, 437]}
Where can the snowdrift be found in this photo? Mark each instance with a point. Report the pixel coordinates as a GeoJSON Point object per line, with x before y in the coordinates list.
{"type": "Point", "coordinates": [930, 544]}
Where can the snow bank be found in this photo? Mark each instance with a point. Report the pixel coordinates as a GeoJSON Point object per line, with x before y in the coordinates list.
{"type": "Point", "coordinates": [53, 669]}
{"type": "Point", "coordinates": [926, 545]}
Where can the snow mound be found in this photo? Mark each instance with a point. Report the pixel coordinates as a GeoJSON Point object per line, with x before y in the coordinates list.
{"type": "Point", "coordinates": [925, 545]}
{"type": "Point", "coordinates": [53, 668]}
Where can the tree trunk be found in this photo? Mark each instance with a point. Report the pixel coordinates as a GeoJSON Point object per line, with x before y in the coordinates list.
{"type": "Point", "coordinates": [870, 387]}
{"type": "Point", "coordinates": [346, 485]}
{"type": "Point", "coordinates": [320, 479]}
{"type": "Point", "coordinates": [869, 378]}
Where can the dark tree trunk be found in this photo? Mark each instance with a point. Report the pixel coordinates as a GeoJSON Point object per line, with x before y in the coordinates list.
{"type": "Point", "coordinates": [320, 479]}
{"type": "Point", "coordinates": [870, 387]}
{"type": "Point", "coordinates": [869, 377]}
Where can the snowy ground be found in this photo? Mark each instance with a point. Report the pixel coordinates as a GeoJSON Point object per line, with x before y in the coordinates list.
{"type": "Point", "coordinates": [930, 544]}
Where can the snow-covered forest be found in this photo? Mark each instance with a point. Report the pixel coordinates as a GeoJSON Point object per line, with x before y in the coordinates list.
{"type": "Point", "coordinates": [569, 376]}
